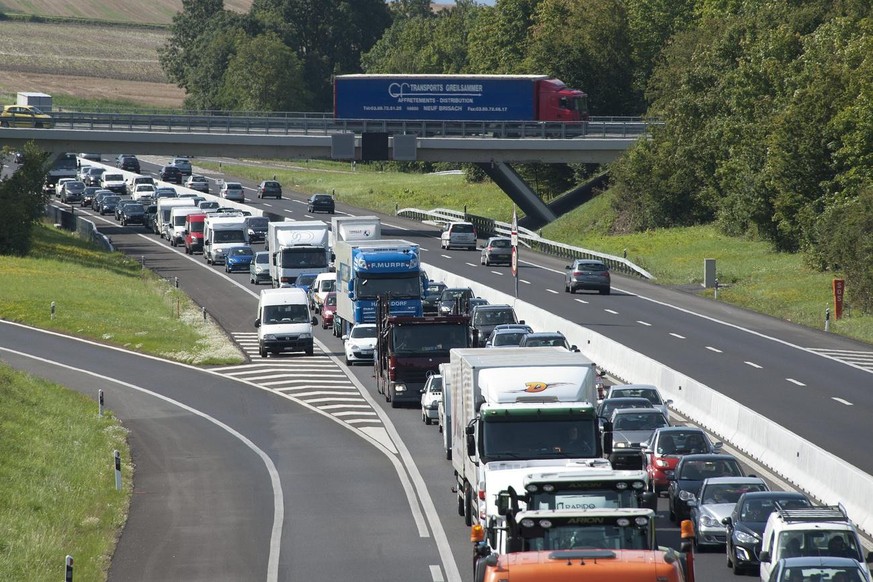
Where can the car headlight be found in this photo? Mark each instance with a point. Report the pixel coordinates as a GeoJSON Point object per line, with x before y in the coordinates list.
{"type": "Point", "coordinates": [707, 521]}
{"type": "Point", "coordinates": [620, 445]}
{"type": "Point", "coordinates": [400, 387]}
{"type": "Point", "coordinates": [746, 538]}
{"type": "Point", "coordinates": [270, 337]}
{"type": "Point", "coordinates": [686, 495]}
{"type": "Point", "coordinates": [353, 346]}
{"type": "Point", "coordinates": [305, 336]}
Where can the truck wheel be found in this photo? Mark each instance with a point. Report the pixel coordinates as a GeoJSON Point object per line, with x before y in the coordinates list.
{"type": "Point", "coordinates": [448, 454]}
{"type": "Point", "coordinates": [310, 351]}
{"type": "Point", "coordinates": [262, 352]}
{"type": "Point", "coordinates": [468, 505]}
{"type": "Point", "coordinates": [461, 505]}
{"type": "Point", "coordinates": [394, 403]}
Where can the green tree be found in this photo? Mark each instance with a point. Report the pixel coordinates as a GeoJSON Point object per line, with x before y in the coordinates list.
{"type": "Point", "coordinates": [264, 75]}
{"type": "Point", "coordinates": [177, 56]}
{"type": "Point", "coordinates": [22, 200]}
{"type": "Point", "coordinates": [498, 41]}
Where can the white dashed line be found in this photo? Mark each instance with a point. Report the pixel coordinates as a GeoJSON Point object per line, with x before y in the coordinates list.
{"type": "Point", "coordinates": [301, 202]}
{"type": "Point", "coordinates": [712, 349]}
{"type": "Point", "coordinates": [497, 273]}
{"type": "Point", "coordinates": [612, 311]}
{"type": "Point", "coordinates": [394, 226]}
{"type": "Point", "coordinates": [644, 323]}
{"type": "Point", "coordinates": [841, 401]}
{"type": "Point", "coordinates": [288, 211]}
{"type": "Point", "coordinates": [797, 382]}
{"type": "Point", "coordinates": [676, 335]}
{"type": "Point", "coordinates": [753, 364]}
{"type": "Point", "coordinates": [525, 282]}
{"type": "Point", "coordinates": [470, 265]}
{"type": "Point", "coordinates": [552, 291]}
{"type": "Point", "coordinates": [436, 574]}
{"type": "Point", "coordinates": [446, 256]}
{"type": "Point", "coordinates": [581, 301]}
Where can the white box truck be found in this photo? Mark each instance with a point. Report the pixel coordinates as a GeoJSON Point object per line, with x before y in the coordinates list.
{"type": "Point", "coordinates": [350, 228]}
{"type": "Point", "coordinates": [221, 232]}
{"type": "Point", "coordinates": [165, 208]}
{"type": "Point", "coordinates": [516, 411]}
{"type": "Point", "coordinates": [297, 247]}
{"type": "Point", "coordinates": [444, 409]}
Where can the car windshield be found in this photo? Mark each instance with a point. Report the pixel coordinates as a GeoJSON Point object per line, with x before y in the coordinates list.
{"type": "Point", "coordinates": [699, 470]}
{"type": "Point", "coordinates": [533, 342]}
{"type": "Point", "coordinates": [257, 221]}
{"type": "Point", "coordinates": [262, 258]}
{"type": "Point", "coordinates": [113, 178]}
{"type": "Point", "coordinates": [359, 332]}
{"type": "Point", "coordinates": [511, 338]}
{"type": "Point", "coordinates": [650, 395]}
{"type": "Point", "coordinates": [462, 228]}
{"type": "Point", "coordinates": [639, 421]}
{"type": "Point", "coordinates": [501, 243]}
{"type": "Point", "coordinates": [112, 199]}
{"type": "Point", "coordinates": [608, 406]}
{"type": "Point", "coordinates": [565, 536]}
{"type": "Point", "coordinates": [241, 251]}
{"type": "Point", "coordinates": [452, 294]}
{"type": "Point", "coordinates": [305, 280]}
{"type": "Point", "coordinates": [321, 198]}
{"type": "Point", "coordinates": [493, 316]}
{"type": "Point", "coordinates": [590, 266]}
{"type": "Point", "coordinates": [330, 299]}
{"type": "Point", "coordinates": [717, 493]}
{"type": "Point", "coordinates": [197, 179]}
{"type": "Point", "coordinates": [822, 574]}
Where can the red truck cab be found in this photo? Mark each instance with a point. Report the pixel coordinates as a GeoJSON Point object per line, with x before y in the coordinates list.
{"type": "Point", "coordinates": [557, 102]}
{"type": "Point", "coordinates": [194, 233]}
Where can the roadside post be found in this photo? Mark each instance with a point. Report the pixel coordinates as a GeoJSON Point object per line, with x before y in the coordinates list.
{"type": "Point", "coordinates": [53, 310]}
{"type": "Point", "coordinates": [828, 318]}
{"type": "Point", "coordinates": [68, 569]}
{"type": "Point", "coordinates": [100, 402]}
{"type": "Point", "coordinates": [514, 242]}
{"type": "Point", "coordinates": [117, 471]}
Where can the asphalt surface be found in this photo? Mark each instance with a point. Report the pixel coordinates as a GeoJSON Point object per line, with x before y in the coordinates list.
{"type": "Point", "coordinates": [674, 327]}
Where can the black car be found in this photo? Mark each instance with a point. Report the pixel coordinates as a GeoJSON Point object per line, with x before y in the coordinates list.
{"type": "Point", "coordinates": [98, 198]}
{"type": "Point", "coordinates": [689, 474]}
{"type": "Point", "coordinates": [119, 208]}
{"type": "Point", "coordinates": [321, 203]}
{"type": "Point", "coordinates": [484, 318]}
{"type": "Point", "coordinates": [108, 204]}
{"type": "Point", "coordinates": [89, 193]}
{"type": "Point", "coordinates": [171, 174]}
{"type": "Point", "coordinates": [132, 214]}
{"type": "Point", "coordinates": [127, 162]}
{"type": "Point", "coordinates": [150, 218]}
{"type": "Point", "coordinates": [430, 303]}
{"type": "Point", "coordinates": [610, 405]}
{"type": "Point", "coordinates": [745, 525]}
{"type": "Point", "coordinates": [256, 228]}
{"type": "Point", "coordinates": [507, 335]}
{"type": "Point", "coordinates": [270, 188]}
{"type": "Point", "coordinates": [455, 300]}
{"type": "Point", "coordinates": [93, 176]}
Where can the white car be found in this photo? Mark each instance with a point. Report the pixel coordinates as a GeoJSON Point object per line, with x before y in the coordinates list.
{"type": "Point", "coordinates": [232, 191]}
{"type": "Point", "coordinates": [59, 187]}
{"type": "Point", "coordinates": [360, 344]}
{"type": "Point", "coordinates": [431, 395]}
{"type": "Point", "coordinates": [143, 190]}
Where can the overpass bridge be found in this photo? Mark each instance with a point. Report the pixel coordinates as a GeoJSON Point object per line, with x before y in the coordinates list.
{"type": "Point", "coordinates": [492, 146]}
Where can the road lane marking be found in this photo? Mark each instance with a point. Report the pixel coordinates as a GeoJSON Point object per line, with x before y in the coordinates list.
{"type": "Point", "coordinates": [754, 365]}
{"type": "Point", "coordinates": [797, 382]}
{"type": "Point", "coordinates": [446, 256]}
{"type": "Point", "coordinates": [301, 202]}
{"type": "Point", "coordinates": [676, 335]}
{"type": "Point", "coordinates": [644, 323]}
{"type": "Point", "coordinates": [612, 311]}
{"type": "Point", "coordinates": [581, 301]}
{"type": "Point", "coordinates": [841, 401]}
{"type": "Point", "coordinates": [287, 210]}
{"type": "Point", "coordinates": [525, 282]}
{"type": "Point", "coordinates": [712, 349]}
{"type": "Point", "coordinates": [436, 574]}
{"type": "Point", "coordinates": [470, 264]}
{"type": "Point", "coordinates": [552, 291]}
{"type": "Point", "coordinates": [498, 273]}
{"type": "Point", "coordinates": [389, 225]}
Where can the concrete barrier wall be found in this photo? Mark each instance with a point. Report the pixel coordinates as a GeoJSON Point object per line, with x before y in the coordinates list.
{"type": "Point", "coordinates": [807, 466]}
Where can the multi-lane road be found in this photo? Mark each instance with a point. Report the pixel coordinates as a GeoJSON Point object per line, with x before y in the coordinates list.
{"type": "Point", "coordinates": [361, 488]}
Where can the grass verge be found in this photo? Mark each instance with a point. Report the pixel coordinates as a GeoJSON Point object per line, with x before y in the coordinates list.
{"type": "Point", "coordinates": [750, 273]}
{"type": "Point", "coordinates": [58, 493]}
{"type": "Point", "coordinates": [142, 312]}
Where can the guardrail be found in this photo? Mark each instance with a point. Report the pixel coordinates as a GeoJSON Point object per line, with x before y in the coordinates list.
{"type": "Point", "coordinates": [307, 124]}
{"type": "Point", "coordinates": [807, 466]}
{"type": "Point", "coordinates": [528, 238]}
{"type": "Point", "coordinates": [69, 220]}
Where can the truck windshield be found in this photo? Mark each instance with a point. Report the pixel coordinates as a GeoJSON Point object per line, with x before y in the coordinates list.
{"type": "Point", "coordinates": [196, 226]}
{"type": "Point", "coordinates": [403, 285]}
{"type": "Point", "coordinates": [429, 339]}
{"type": "Point", "coordinates": [602, 536]}
{"type": "Point", "coordinates": [587, 496]}
{"type": "Point", "coordinates": [303, 258]}
{"type": "Point", "coordinates": [228, 236]}
{"type": "Point", "coordinates": [537, 437]}
{"type": "Point", "coordinates": [274, 314]}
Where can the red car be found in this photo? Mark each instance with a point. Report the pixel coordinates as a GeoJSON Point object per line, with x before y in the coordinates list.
{"type": "Point", "coordinates": [667, 446]}
{"type": "Point", "coordinates": [328, 309]}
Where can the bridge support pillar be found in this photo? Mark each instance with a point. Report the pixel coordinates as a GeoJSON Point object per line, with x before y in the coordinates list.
{"type": "Point", "coordinates": [520, 193]}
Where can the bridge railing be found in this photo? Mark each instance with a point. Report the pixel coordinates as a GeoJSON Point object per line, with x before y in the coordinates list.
{"type": "Point", "coordinates": [307, 124]}
{"type": "Point", "coordinates": [528, 238]}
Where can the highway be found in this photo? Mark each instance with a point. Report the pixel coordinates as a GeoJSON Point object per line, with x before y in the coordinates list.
{"type": "Point", "coordinates": [791, 374]}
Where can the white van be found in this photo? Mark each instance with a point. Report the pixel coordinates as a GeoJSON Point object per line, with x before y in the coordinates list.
{"type": "Point", "coordinates": [165, 206]}
{"type": "Point", "coordinates": [176, 227]}
{"type": "Point", "coordinates": [324, 283]}
{"type": "Point", "coordinates": [284, 322]}
{"type": "Point", "coordinates": [220, 232]}
{"type": "Point", "coordinates": [458, 234]}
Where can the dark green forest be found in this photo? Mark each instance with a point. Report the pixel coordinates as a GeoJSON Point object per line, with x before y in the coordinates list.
{"type": "Point", "coordinates": [767, 106]}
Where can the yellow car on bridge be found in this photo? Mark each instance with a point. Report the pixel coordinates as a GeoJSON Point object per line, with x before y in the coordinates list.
{"type": "Point", "coordinates": [24, 116]}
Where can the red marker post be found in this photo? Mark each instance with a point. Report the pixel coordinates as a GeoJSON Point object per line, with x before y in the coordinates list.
{"type": "Point", "coordinates": [839, 293]}
{"type": "Point", "coordinates": [514, 242]}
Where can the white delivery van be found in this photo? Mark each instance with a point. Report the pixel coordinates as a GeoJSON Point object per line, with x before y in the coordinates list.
{"type": "Point", "coordinates": [219, 233]}
{"type": "Point", "coordinates": [165, 206]}
{"type": "Point", "coordinates": [176, 227]}
{"type": "Point", "coordinates": [284, 322]}
{"type": "Point", "coordinates": [324, 284]}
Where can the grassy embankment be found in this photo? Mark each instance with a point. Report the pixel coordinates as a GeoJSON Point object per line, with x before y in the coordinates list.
{"type": "Point", "coordinates": [58, 493]}
{"type": "Point", "coordinates": [751, 274]}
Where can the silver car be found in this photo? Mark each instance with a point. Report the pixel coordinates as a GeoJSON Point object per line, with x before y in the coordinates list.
{"type": "Point", "coordinates": [716, 501]}
{"type": "Point", "coordinates": [232, 191]}
{"type": "Point", "coordinates": [587, 274]}
{"type": "Point", "coordinates": [497, 251]}
{"type": "Point", "coordinates": [431, 395]}
{"type": "Point", "coordinates": [647, 391]}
